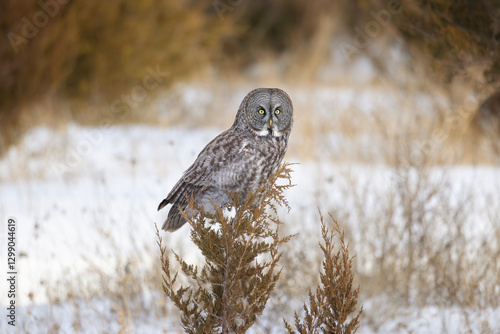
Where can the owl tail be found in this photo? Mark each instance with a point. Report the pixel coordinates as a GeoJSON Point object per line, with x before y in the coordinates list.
{"type": "Point", "coordinates": [174, 220]}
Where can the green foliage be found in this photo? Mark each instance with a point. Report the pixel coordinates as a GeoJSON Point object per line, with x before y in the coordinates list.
{"type": "Point", "coordinates": [241, 263]}
{"type": "Point", "coordinates": [333, 305]}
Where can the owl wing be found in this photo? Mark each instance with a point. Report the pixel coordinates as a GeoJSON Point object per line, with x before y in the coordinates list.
{"type": "Point", "coordinates": [214, 166]}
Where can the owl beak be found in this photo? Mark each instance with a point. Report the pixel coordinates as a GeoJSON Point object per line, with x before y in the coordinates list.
{"type": "Point", "coordinates": [270, 122]}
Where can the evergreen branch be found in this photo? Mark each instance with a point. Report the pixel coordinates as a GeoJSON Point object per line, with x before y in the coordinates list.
{"type": "Point", "coordinates": [233, 286]}
{"type": "Point", "coordinates": [334, 301]}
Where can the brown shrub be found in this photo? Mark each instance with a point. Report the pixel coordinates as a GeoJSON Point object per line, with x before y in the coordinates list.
{"type": "Point", "coordinates": [96, 50]}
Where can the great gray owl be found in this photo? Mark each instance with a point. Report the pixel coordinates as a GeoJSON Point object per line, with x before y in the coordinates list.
{"type": "Point", "coordinates": [238, 160]}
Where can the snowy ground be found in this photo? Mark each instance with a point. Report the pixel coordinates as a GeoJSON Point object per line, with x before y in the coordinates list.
{"type": "Point", "coordinates": [84, 201]}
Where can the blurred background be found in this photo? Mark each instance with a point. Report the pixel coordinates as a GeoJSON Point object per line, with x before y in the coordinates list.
{"type": "Point", "coordinates": [397, 132]}
{"type": "Point", "coordinates": [68, 61]}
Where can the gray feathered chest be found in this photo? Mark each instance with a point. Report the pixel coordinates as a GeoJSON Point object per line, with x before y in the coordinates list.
{"type": "Point", "coordinates": [249, 162]}
{"type": "Point", "coordinates": [238, 160]}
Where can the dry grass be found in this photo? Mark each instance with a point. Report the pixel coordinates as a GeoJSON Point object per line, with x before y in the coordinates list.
{"type": "Point", "coordinates": [112, 296]}
{"type": "Point", "coordinates": [96, 52]}
{"type": "Point", "coordinates": [423, 241]}
{"type": "Point", "coordinates": [101, 52]}
{"type": "Point", "coordinates": [418, 241]}
{"type": "Point", "coordinates": [416, 238]}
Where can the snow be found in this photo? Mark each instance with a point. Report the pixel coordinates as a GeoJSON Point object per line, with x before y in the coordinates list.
{"type": "Point", "coordinates": [84, 200]}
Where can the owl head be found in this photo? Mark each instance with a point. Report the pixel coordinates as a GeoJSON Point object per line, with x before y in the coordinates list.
{"type": "Point", "coordinates": [265, 112]}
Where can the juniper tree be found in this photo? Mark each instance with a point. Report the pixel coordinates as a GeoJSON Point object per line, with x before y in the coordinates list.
{"type": "Point", "coordinates": [333, 305]}
{"type": "Point", "coordinates": [241, 262]}
{"type": "Point", "coordinates": [241, 254]}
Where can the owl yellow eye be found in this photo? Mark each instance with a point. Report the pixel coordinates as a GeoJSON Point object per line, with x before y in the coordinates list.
{"type": "Point", "coordinates": [261, 111]}
{"type": "Point", "coordinates": [277, 111]}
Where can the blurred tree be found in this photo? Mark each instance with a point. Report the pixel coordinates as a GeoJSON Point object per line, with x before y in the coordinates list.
{"type": "Point", "coordinates": [97, 50]}
{"type": "Point", "coordinates": [459, 38]}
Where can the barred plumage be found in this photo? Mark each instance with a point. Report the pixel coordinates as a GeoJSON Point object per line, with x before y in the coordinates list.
{"type": "Point", "coordinates": [239, 159]}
